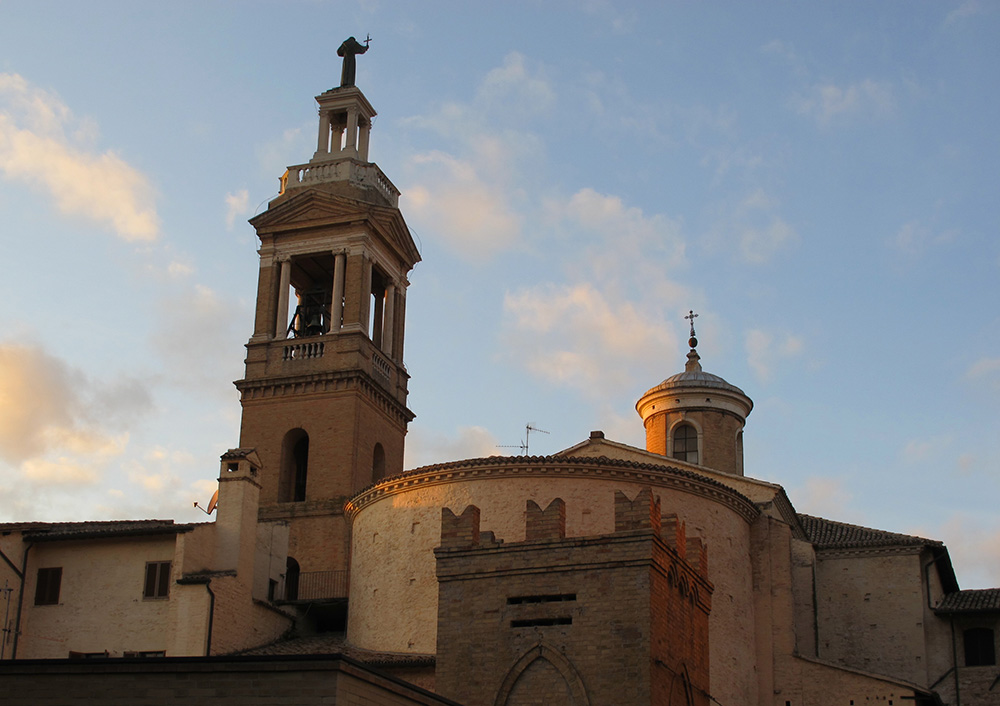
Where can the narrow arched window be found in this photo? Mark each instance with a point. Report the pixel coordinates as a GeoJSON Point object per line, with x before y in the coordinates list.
{"type": "Point", "coordinates": [685, 443]}
{"type": "Point", "coordinates": [378, 463]}
{"type": "Point", "coordinates": [294, 467]}
{"type": "Point", "coordinates": [980, 647]}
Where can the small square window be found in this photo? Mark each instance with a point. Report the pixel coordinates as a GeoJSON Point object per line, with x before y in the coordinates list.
{"type": "Point", "coordinates": [47, 586]}
{"type": "Point", "coordinates": [157, 580]}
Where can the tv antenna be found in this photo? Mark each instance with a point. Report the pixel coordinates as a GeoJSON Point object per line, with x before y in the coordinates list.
{"type": "Point", "coordinates": [528, 428]}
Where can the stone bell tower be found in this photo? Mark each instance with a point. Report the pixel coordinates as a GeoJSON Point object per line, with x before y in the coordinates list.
{"type": "Point", "coordinates": [324, 394]}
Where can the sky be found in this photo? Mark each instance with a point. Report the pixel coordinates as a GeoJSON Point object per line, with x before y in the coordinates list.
{"type": "Point", "coordinates": [818, 181]}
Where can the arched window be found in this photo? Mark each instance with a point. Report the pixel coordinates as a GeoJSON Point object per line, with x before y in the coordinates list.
{"type": "Point", "coordinates": [378, 463]}
{"type": "Point", "coordinates": [291, 579]}
{"type": "Point", "coordinates": [294, 467]}
{"type": "Point", "coordinates": [685, 446]}
{"type": "Point", "coordinates": [980, 647]}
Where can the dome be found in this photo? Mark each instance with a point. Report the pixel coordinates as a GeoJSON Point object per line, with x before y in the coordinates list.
{"type": "Point", "coordinates": [694, 378]}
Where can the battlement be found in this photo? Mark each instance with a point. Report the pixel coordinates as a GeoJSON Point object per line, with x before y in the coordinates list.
{"type": "Point", "coordinates": [643, 512]}
{"type": "Point", "coordinates": [502, 605]}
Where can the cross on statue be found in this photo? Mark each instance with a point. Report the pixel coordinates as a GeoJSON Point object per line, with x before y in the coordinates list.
{"type": "Point", "coordinates": [348, 50]}
{"type": "Point", "coordinates": [693, 342]}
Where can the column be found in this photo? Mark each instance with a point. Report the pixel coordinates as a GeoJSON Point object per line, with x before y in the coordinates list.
{"type": "Point", "coordinates": [281, 318]}
{"type": "Point", "coordinates": [366, 294]}
{"type": "Point", "coordinates": [352, 132]}
{"type": "Point", "coordinates": [337, 303]}
{"type": "Point", "coordinates": [387, 323]}
{"type": "Point", "coordinates": [323, 142]}
{"type": "Point", "coordinates": [363, 138]}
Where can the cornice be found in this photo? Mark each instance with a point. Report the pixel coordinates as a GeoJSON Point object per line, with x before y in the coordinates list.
{"type": "Point", "coordinates": [269, 388]}
{"type": "Point", "coordinates": [602, 468]}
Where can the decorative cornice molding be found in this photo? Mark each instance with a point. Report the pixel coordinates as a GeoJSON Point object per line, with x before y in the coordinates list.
{"type": "Point", "coordinates": [603, 468]}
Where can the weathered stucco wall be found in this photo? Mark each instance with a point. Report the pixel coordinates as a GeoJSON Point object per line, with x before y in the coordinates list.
{"type": "Point", "coordinates": [394, 591]}
{"type": "Point", "coordinates": [106, 573]}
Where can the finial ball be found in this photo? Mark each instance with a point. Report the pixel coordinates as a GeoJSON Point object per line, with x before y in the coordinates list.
{"type": "Point", "coordinates": [693, 342]}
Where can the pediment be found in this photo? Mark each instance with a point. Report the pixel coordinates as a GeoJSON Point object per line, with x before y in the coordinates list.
{"type": "Point", "coordinates": [314, 208]}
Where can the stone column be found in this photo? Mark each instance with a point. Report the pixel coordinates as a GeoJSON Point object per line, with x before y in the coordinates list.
{"type": "Point", "coordinates": [388, 323]}
{"type": "Point", "coordinates": [366, 295]}
{"type": "Point", "coordinates": [281, 318]}
{"type": "Point", "coordinates": [351, 145]}
{"type": "Point", "coordinates": [323, 142]}
{"type": "Point", "coordinates": [337, 303]}
{"type": "Point", "coordinates": [363, 139]}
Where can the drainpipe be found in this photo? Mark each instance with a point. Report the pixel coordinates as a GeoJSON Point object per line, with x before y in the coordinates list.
{"type": "Point", "coordinates": [211, 617]}
{"type": "Point", "coordinates": [20, 600]}
{"type": "Point", "coordinates": [954, 661]}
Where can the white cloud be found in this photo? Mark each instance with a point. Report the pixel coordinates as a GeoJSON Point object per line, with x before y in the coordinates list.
{"type": "Point", "coordinates": [471, 215]}
{"type": "Point", "coordinates": [198, 327]}
{"type": "Point", "coordinates": [57, 427]}
{"type": "Point", "coordinates": [974, 546]}
{"type": "Point", "coordinates": [472, 196]}
{"type": "Point", "coordinates": [764, 352]}
{"type": "Point", "coordinates": [237, 204]}
{"type": "Point", "coordinates": [969, 8]}
{"type": "Point", "coordinates": [753, 229]}
{"type": "Point", "coordinates": [986, 370]}
{"type": "Point", "coordinates": [914, 238]}
{"type": "Point", "coordinates": [585, 338]}
{"type": "Point", "coordinates": [831, 104]}
{"type": "Point", "coordinates": [35, 149]}
{"type": "Point", "coordinates": [824, 497]}
{"type": "Point", "coordinates": [515, 88]}
{"type": "Point", "coordinates": [470, 442]}
{"type": "Point", "coordinates": [924, 449]}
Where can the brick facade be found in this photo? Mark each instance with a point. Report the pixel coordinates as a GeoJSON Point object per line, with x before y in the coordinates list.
{"type": "Point", "coordinates": [617, 618]}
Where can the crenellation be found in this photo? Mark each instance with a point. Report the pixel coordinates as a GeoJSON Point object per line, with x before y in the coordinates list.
{"type": "Point", "coordinates": [545, 524]}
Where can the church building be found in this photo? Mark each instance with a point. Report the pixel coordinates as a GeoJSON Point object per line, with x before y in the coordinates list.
{"type": "Point", "coordinates": [669, 575]}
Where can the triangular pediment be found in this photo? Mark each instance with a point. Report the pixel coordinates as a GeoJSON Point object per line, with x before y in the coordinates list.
{"type": "Point", "coordinates": [313, 208]}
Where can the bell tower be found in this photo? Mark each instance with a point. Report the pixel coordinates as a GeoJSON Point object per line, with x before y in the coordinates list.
{"type": "Point", "coordinates": [324, 393]}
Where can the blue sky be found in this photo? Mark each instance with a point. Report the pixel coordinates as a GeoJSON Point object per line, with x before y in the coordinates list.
{"type": "Point", "coordinates": [817, 180]}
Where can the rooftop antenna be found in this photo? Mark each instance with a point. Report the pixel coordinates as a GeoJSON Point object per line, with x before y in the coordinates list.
{"type": "Point", "coordinates": [528, 428]}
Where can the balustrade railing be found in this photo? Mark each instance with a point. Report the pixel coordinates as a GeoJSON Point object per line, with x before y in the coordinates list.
{"type": "Point", "coordinates": [381, 367]}
{"type": "Point", "coordinates": [341, 170]}
{"type": "Point", "coordinates": [299, 351]}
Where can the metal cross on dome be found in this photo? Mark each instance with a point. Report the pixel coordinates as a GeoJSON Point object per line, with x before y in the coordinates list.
{"type": "Point", "coordinates": [693, 342]}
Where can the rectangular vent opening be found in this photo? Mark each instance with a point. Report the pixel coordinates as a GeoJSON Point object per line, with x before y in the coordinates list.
{"type": "Point", "coordinates": [540, 622]}
{"type": "Point", "coordinates": [552, 598]}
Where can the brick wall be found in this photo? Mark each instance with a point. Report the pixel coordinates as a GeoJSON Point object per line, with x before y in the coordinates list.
{"type": "Point", "coordinates": [617, 618]}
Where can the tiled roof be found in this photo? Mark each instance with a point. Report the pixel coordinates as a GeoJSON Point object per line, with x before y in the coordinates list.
{"type": "Point", "coordinates": [57, 531]}
{"type": "Point", "coordinates": [979, 600]}
{"type": "Point", "coordinates": [334, 643]}
{"type": "Point", "coordinates": [827, 534]}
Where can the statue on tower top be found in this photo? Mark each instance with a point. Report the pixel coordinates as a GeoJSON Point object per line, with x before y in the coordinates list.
{"type": "Point", "coordinates": [349, 49]}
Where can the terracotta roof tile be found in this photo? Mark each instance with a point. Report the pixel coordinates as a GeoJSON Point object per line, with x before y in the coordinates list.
{"type": "Point", "coordinates": [978, 600]}
{"type": "Point", "coordinates": [827, 534]}
{"type": "Point", "coordinates": [334, 643]}
{"type": "Point", "coordinates": [57, 531]}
